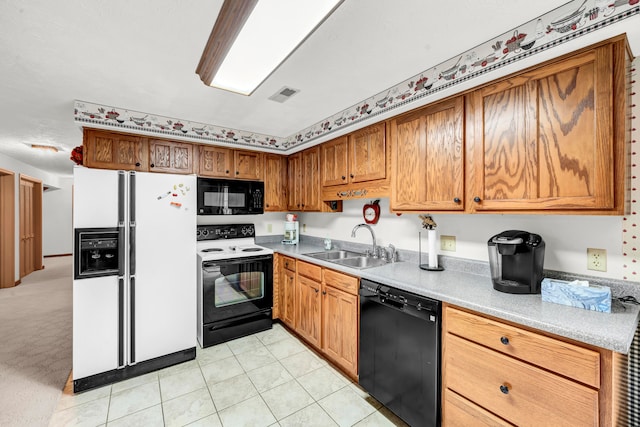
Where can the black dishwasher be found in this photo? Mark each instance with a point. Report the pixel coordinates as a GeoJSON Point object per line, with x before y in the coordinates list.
{"type": "Point", "coordinates": [400, 352]}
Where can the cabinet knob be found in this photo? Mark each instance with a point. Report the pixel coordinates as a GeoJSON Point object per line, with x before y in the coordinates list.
{"type": "Point", "coordinates": [324, 292]}
{"type": "Point", "coordinates": [267, 205]}
{"type": "Point", "coordinates": [351, 175]}
{"type": "Point", "coordinates": [344, 177]}
{"type": "Point", "coordinates": [476, 199]}
{"type": "Point", "coordinates": [315, 290]}
{"type": "Point", "coordinates": [504, 340]}
{"type": "Point", "coordinates": [152, 165]}
{"type": "Point", "coordinates": [227, 171]}
{"type": "Point", "coordinates": [237, 173]}
{"type": "Point", "coordinates": [504, 389]}
{"type": "Point", "coordinates": [456, 200]}
{"type": "Point", "coordinates": [137, 164]}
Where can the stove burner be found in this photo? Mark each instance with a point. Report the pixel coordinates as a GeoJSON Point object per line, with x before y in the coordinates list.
{"type": "Point", "coordinates": [252, 250]}
{"type": "Point", "coordinates": [213, 250]}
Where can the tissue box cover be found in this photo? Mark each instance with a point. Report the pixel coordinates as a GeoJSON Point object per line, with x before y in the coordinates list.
{"type": "Point", "coordinates": [592, 297]}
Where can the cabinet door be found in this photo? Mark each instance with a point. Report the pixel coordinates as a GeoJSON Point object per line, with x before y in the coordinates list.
{"type": "Point", "coordinates": [294, 180]}
{"type": "Point", "coordinates": [170, 156]}
{"type": "Point", "coordinates": [288, 298]}
{"type": "Point", "coordinates": [248, 165]}
{"type": "Point", "coordinates": [308, 315]}
{"type": "Point", "coordinates": [275, 180]}
{"type": "Point", "coordinates": [340, 328]}
{"type": "Point", "coordinates": [334, 160]}
{"type": "Point", "coordinates": [311, 179]}
{"type": "Point", "coordinates": [215, 161]}
{"type": "Point", "coordinates": [367, 154]}
{"type": "Point", "coordinates": [544, 139]}
{"type": "Point", "coordinates": [428, 158]}
{"type": "Point", "coordinates": [110, 150]}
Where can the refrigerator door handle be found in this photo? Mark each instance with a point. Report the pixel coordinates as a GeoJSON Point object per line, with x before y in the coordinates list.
{"type": "Point", "coordinates": [121, 362]}
{"type": "Point", "coordinates": [132, 320]}
{"type": "Point", "coordinates": [132, 223]}
{"type": "Point", "coordinates": [121, 222]}
{"type": "Point", "coordinates": [121, 199]}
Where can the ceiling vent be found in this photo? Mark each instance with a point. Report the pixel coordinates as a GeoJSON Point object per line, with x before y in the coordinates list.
{"type": "Point", "coordinates": [283, 94]}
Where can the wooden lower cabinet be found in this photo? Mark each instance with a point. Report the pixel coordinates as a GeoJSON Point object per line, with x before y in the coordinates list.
{"type": "Point", "coordinates": [496, 373]}
{"type": "Point", "coordinates": [286, 285]}
{"type": "Point", "coordinates": [340, 327]}
{"type": "Point", "coordinates": [461, 412]}
{"type": "Point", "coordinates": [322, 306]}
{"type": "Point", "coordinates": [308, 315]}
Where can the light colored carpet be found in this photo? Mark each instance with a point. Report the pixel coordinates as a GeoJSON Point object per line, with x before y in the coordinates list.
{"type": "Point", "coordinates": [35, 344]}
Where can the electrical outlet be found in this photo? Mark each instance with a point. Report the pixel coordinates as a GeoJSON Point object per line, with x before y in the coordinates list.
{"type": "Point", "coordinates": [448, 243]}
{"type": "Point", "coordinates": [596, 259]}
{"type": "Point", "coordinates": [269, 228]}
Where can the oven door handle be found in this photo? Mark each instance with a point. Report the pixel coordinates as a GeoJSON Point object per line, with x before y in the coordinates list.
{"type": "Point", "coordinates": [233, 261]}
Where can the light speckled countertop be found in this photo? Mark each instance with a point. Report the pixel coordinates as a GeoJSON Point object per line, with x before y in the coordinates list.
{"type": "Point", "coordinates": [612, 331]}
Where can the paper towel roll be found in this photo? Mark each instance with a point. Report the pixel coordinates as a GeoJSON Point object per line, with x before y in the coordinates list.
{"type": "Point", "coordinates": [433, 255]}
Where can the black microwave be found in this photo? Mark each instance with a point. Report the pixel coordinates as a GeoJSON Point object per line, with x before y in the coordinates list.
{"type": "Point", "coordinates": [230, 197]}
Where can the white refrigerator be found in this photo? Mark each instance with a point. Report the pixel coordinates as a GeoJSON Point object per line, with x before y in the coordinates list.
{"type": "Point", "coordinates": [142, 317]}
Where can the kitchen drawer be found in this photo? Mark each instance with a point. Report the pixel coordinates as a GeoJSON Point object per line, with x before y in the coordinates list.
{"type": "Point", "coordinates": [518, 392]}
{"type": "Point", "coordinates": [458, 411]}
{"type": "Point", "coordinates": [289, 263]}
{"type": "Point", "coordinates": [341, 281]}
{"type": "Point", "coordinates": [566, 359]}
{"type": "Point", "coordinates": [310, 270]}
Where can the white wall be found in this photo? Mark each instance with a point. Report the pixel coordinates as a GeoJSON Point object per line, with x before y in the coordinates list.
{"type": "Point", "coordinates": [57, 224]}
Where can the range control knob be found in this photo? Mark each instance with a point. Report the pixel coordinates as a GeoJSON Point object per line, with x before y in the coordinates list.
{"type": "Point", "coordinates": [205, 232]}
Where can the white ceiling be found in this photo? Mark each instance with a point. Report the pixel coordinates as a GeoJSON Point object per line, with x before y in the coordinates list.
{"type": "Point", "coordinates": [142, 55]}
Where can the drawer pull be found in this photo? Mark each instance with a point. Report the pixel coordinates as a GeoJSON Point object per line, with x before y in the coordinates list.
{"type": "Point", "coordinates": [504, 340]}
{"type": "Point", "coordinates": [504, 389]}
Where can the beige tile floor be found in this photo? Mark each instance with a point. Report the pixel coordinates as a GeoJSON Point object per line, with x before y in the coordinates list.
{"type": "Point", "coordinates": [266, 379]}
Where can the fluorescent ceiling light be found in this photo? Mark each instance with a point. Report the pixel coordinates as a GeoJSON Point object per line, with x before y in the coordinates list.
{"type": "Point", "coordinates": [252, 38]}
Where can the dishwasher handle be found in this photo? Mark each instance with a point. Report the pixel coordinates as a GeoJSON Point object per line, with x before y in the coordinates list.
{"type": "Point", "coordinates": [418, 311]}
{"type": "Point", "coordinates": [395, 304]}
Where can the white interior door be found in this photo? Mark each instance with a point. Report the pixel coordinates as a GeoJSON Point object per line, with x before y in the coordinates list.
{"type": "Point", "coordinates": [165, 275]}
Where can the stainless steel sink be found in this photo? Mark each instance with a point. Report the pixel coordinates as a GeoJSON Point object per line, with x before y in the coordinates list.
{"type": "Point", "coordinates": [361, 262]}
{"type": "Point", "coordinates": [334, 255]}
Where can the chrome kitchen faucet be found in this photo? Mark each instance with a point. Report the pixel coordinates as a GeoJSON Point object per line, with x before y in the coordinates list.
{"type": "Point", "coordinates": [373, 237]}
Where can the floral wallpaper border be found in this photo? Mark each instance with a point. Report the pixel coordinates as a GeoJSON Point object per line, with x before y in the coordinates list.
{"type": "Point", "coordinates": [567, 22]}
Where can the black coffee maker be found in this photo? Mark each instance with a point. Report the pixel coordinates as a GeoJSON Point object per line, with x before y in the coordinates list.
{"type": "Point", "coordinates": [516, 259]}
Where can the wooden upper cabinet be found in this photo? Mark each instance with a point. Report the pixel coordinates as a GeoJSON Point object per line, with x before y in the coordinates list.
{"type": "Point", "coordinates": [545, 139]}
{"type": "Point", "coordinates": [248, 165]}
{"type": "Point", "coordinates": [215, 161]}
{"type": "Point", "coordinates": [359, 158]}
{"type": "Point", "coordinates": [428, 158]}
{"type": "Point", "coordinates": [335, 162]}
{"type": "Point", "coordinates": [275, 183]}
{"type": "Point", "coordinates": [170, 156]}
{"type": "Point", "coordinates": [222, 162]}
{"type": "Point", "coordinates": [367, 154]}
{"type": "Point", "coordinates": [109, 150]}
{"type": "Point", "coordinates": [311, 179]}
{"type": "Point", "coordinates": [294, 182]}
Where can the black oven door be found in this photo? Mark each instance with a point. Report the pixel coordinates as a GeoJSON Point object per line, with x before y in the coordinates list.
{"type": "Point", "coordinates": [230, 197]}
{"type": "Point", "coordinates": [236, 287]}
